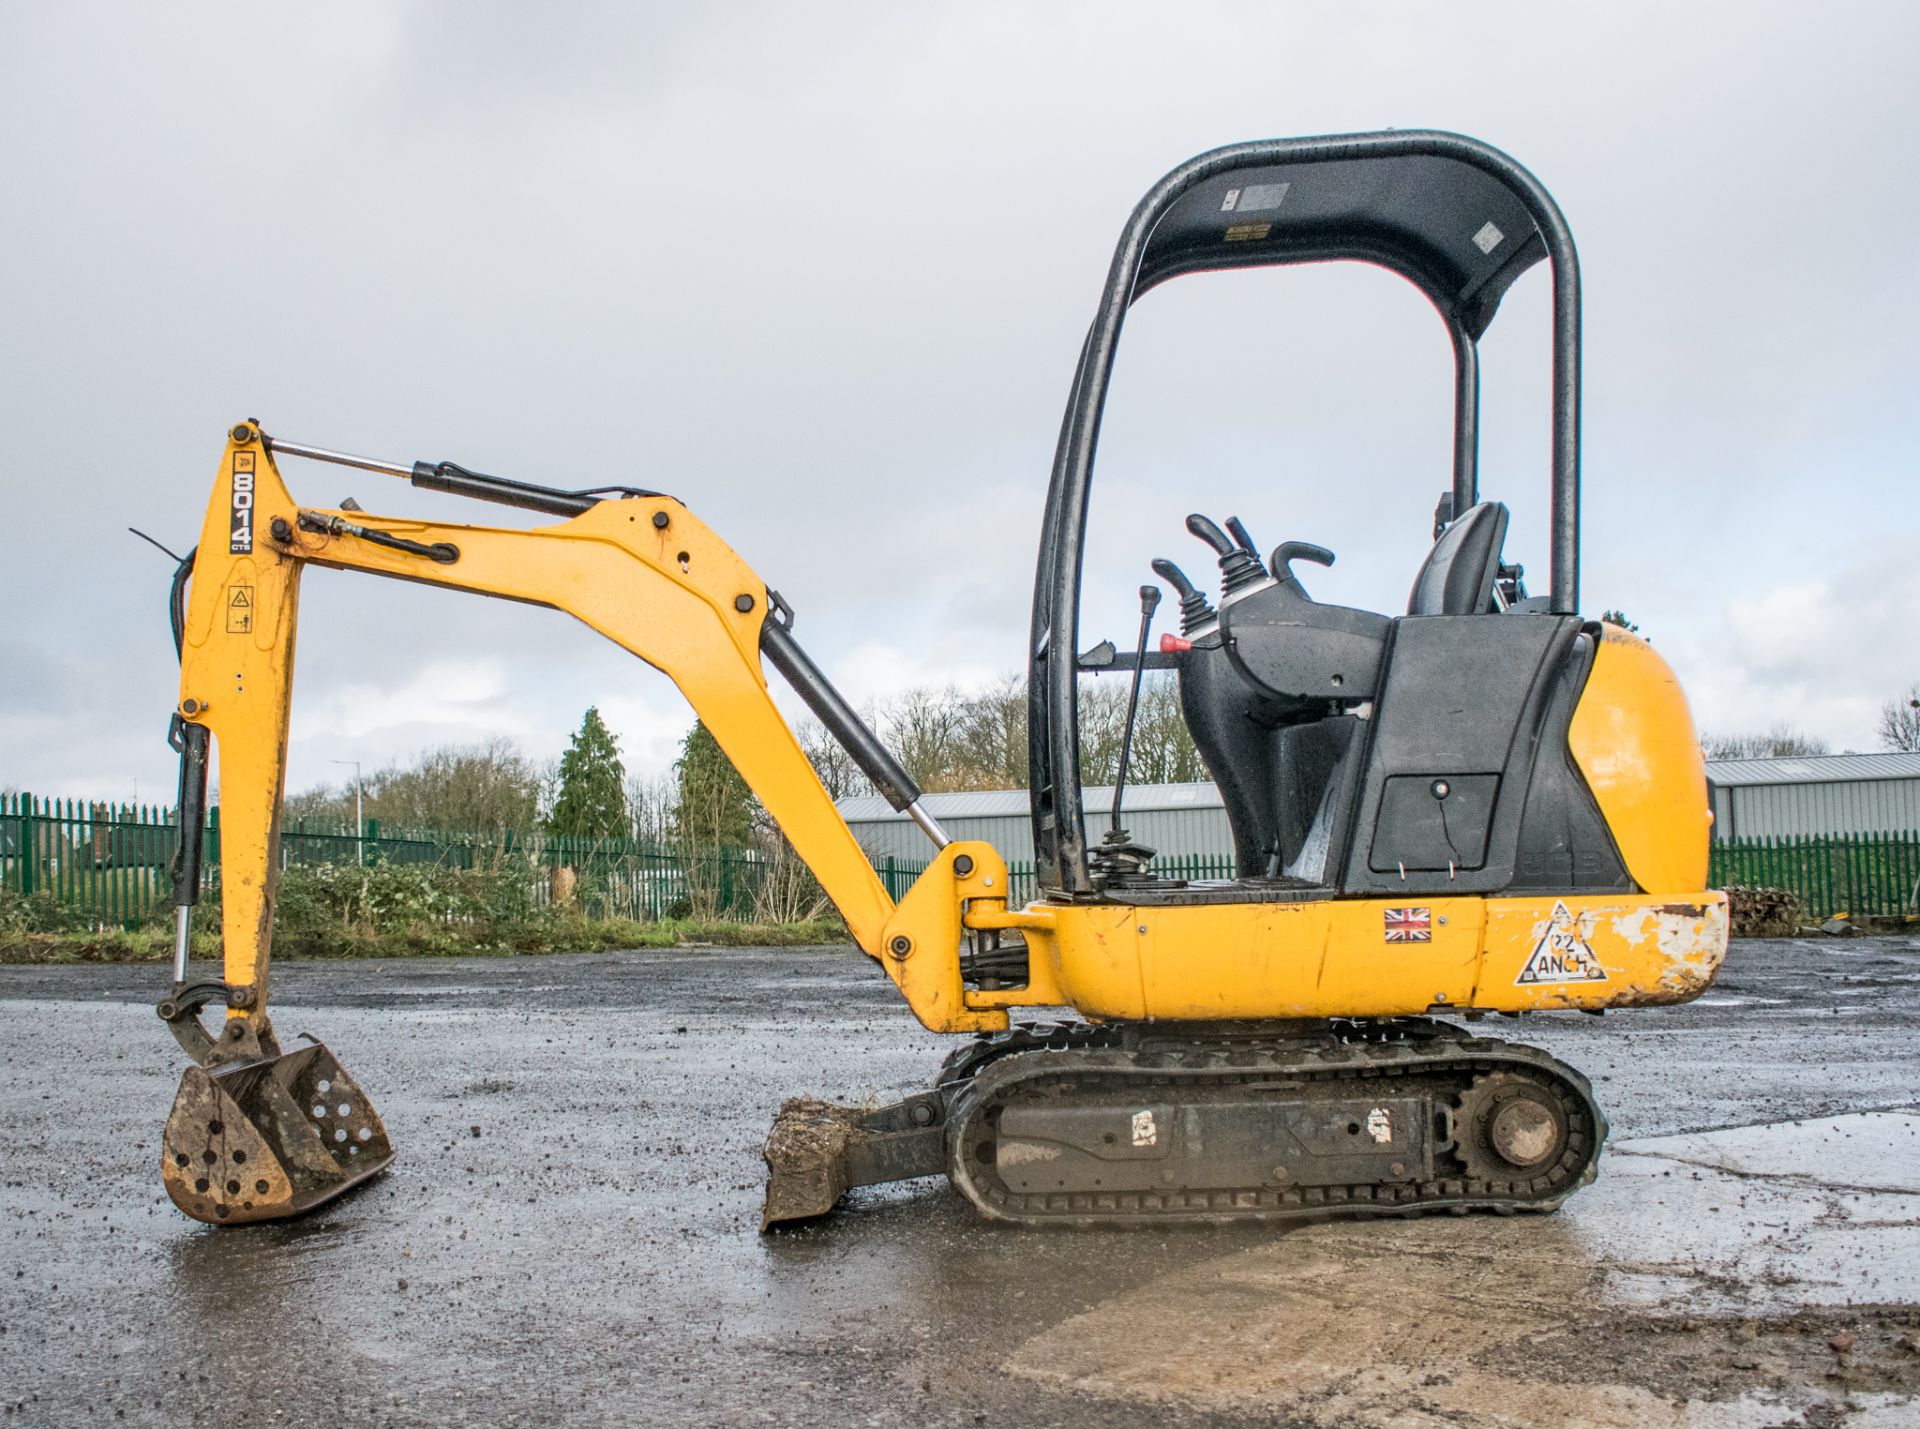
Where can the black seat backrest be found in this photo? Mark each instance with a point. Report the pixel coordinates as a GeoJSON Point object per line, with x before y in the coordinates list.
{"type": "Point", "coordinates": [1458, 575]}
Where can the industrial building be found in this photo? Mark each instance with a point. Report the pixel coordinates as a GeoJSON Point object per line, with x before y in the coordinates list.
{"type": "Point", "coordinates": [1815, 794]}
{"type": "Point", "coordinates": [1752, 798]}
{"type": "Point", "coordinates": [1180, 820]}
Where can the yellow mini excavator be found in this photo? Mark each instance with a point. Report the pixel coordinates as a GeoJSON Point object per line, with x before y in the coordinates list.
{"type": "Point", "coordinates": [1486, 804]}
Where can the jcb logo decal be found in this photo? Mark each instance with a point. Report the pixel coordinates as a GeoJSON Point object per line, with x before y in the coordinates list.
{"type": "Point", "coordinates": [242, 542]}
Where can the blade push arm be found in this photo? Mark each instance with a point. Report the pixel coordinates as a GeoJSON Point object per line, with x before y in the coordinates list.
{"type": "Point", "coordinates": [646, 573]}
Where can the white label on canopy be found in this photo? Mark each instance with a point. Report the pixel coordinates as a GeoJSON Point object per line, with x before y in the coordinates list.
{"type": "Point", "coordinates": [1255, 197]}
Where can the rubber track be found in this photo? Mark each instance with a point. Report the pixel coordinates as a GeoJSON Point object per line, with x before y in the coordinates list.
{"type": "Point", "coordinates": [981, 1075]}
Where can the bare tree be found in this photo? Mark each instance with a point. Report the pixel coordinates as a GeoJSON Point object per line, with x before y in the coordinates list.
{"type": "Point", "coordinates": [950, 739]}
{"type": "Point", "coordinates": [830, 760]}
{"type": "Point", "coordinates": [322, 801]}
{"type": "Point", "coordinates": [993, 735]}
{"type": "Point", "coordinates": [490, 787]}
{"type": "Point", "coordinates": [1103, 712]}
{"type": "Point", "coordinates": [787, 891]}
{"type": "Point", "coordinates": [650, 804]}
{"type": "Point", "coordinates": [1900, 722]}
{"type": "Point", "coordinates": [1163, 747]}
{"type": "Point", "coordinates": [923, 726]}
{"type": "Point", "coordinates": [1783, 741]}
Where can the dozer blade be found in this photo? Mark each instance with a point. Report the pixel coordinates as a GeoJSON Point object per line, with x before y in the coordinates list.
{"type": "Point", "coordinates": [817, 1152]}
{"type": "Point", "coordinates": [264, 1140]}
{"type": "Point", "coordinates": [806, 1160]}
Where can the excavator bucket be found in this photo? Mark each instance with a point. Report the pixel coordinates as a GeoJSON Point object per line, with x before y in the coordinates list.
{"type": "Point", "coordinates": [267, 1139]}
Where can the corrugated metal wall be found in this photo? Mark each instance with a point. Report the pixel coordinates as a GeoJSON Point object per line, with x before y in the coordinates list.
{"type": "Point", "coordinates": [1174, 832]}
{"type": "Point", "coordinates": [1859, 806]}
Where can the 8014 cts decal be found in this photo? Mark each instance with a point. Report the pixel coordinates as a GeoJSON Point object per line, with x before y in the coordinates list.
{"type": "Point", "coordinates": [242, 542]}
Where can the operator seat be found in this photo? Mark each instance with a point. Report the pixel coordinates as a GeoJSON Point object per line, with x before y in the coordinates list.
{"type": "Point", "coordinates": [1458, 575]}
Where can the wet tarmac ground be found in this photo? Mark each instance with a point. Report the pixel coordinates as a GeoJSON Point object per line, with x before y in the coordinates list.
{"type": "Point", "coordinates": [570, 1232]}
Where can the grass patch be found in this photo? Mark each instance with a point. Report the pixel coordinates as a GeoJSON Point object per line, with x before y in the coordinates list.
{"type": "Point", "coordinates": [424, 940]}
{"type": "Point", "coordinates": [331, 911]}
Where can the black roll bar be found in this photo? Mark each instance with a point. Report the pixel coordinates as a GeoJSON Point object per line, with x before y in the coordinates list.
{"type": "Point", "coordinates": [1466, 416]}
{"type": "Point", "coordinates": [1399, 223]}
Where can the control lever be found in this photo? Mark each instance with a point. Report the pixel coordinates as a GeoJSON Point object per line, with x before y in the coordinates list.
{"type": "Point", "coordinates": [1149, 602]}
{"type": "Point", "coordinates": [1119, 862]}
{"type": "Point", "coordinates": [1287, 552]}
{"type": "Point", "coordinates": [1194, 609]}
{"type": "Point", "coordinates": [1206, 530]}
{"type": "Point", "coordinates": [1239, 565]}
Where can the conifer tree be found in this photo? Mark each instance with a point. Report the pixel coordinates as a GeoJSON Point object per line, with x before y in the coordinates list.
{"type": "Point", "coordinates": [592, 802]}
{"type": "Point", "coordinates": [716, 808]}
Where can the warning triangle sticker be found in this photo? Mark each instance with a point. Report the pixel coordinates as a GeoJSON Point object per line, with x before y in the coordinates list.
{"type": "Point", "coordinates": [242, 595]}
{"type": "Point", "coordinates": [1561, 955]}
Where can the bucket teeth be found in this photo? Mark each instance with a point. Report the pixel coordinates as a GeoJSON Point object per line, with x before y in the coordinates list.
{"type": "Point", "coordinates": [267, 1139]}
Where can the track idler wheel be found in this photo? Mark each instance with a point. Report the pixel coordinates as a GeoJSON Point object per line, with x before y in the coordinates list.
{"type": "Point", "coordinates": [1509, 1128]}
{"type": "Point", "coordinates": [265, 1138]}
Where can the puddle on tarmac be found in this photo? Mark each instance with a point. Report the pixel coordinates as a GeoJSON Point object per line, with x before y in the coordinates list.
{"type": "Point", "coordinates": [1574, 1319]}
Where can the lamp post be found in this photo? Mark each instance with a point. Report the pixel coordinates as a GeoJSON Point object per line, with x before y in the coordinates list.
{"type": "Point", "coordinates": [359, 818]}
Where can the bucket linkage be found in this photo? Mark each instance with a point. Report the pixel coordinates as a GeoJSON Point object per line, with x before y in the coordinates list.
{"type": "Point", "coordinates": [255, 1134]}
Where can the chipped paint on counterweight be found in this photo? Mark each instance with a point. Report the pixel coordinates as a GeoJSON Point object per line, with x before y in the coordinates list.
{"type": "Point", "coordinates": [1652, 954]}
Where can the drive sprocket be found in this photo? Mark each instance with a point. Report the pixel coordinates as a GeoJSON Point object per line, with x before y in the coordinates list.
{"type": "Point", "coordinates": [1511, 1130]}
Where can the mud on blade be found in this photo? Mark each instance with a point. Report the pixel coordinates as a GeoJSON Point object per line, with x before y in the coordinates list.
{"type": "Point", "coordinates": [817, 1152]}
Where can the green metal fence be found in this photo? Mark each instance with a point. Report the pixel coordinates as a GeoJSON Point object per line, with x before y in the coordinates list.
{"type": "Point", "coordinates": [1190, 866]}
{"type": "Point", "coordinates": [109, 860]}
{"type": "Point", "coordinates": [1862, 875]}
{"type": "Point", "coordinates": [108, 865]}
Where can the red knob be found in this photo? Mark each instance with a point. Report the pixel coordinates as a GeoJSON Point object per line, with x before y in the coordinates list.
{"type": "Point", "coordinates": [1174, 645]}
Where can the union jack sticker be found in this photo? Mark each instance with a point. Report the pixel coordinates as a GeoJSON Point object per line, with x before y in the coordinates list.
{"type": "Point", "coordinates": [1408, 925]}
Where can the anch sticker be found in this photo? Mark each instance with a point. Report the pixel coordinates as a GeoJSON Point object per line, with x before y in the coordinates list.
{"type": "Point", "coordinates": [1562, 954]}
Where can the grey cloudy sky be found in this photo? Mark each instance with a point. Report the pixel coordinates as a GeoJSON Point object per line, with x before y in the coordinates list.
{"type": "Point", "coordinates": [822, 270]}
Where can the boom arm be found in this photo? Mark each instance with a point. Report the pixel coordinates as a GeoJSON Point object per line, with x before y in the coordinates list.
{"type": "Point", "coordinates": [648, 575]}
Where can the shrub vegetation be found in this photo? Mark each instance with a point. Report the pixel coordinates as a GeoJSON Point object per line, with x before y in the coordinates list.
{"type": "Point", "coordinates": [343, 911]}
